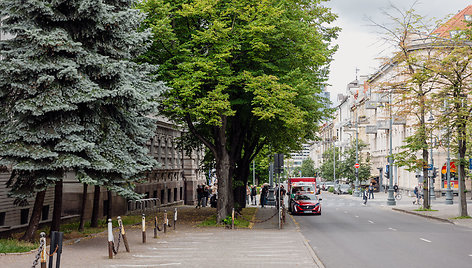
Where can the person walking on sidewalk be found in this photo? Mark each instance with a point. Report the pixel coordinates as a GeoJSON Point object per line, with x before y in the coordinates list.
{"type": "Point", "coordinates": [263, 195]}
{"type": "Point", "coordinates": [248, 193]}
{"type": "Point", "coordinates": [253, 194]}
{"type": "Point", "coordinates": [364, 196]}
{"type": "Point", "coordinates": [199, 196]}
{"type": "Point", "coordinates": [371, 191]}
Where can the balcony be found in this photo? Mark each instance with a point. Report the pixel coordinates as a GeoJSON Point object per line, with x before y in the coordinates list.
{"type": "Point", "coordinates": [371, 129]}
{"type": "Point", "coordinates": [371, 104]}
{"type": "Point", "coordinates": [383, 124]}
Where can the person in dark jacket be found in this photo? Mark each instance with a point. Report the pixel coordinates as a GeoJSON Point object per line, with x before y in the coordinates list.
{"type": "Point", "coordinates": [199, 196]}
{"type": "Point", "coordinates": [264, 192]}
{"type": "Point", "coordinates": [253, 194]}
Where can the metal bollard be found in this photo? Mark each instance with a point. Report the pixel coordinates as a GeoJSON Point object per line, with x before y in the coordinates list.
{"type": "Point", "coordinates": [165, 221]}
{"type": "Point", "coordinates": [175, 217]}
{"type": "Point", "coordinates": [123, 233]}
{"type": "Point", "coordinates": [42, 240]}
{"type": "Point", "coordinates": [144, 228]}
{"type": "Point", "coordinates": [110, 239]}
{"type": "Point", "coordinates": [232, 219]}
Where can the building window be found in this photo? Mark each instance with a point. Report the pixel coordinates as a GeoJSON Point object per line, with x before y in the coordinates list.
{"type": "Point", "coordinates": [175, 194]}
{"type": "Point", "coordinates": [154, 194]}
{"type": "Point", "coordinates": [45, 213]}
{"type": "Point", "coordinates": [168, 196]}
{"type": "Point", "coordinates": [162, 196]}
{"type": "Point", "coordinates": [181, 193]}
{"type": "Point", "coordinates": [2, 218]}
{"type": "Point", "coordinates": [24, 216]}
{"type": "Point", "coordinates": [146, 195]}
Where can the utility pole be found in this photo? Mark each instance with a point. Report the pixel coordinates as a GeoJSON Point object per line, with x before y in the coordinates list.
{"type": "Point", "coordinates": [391, 199]}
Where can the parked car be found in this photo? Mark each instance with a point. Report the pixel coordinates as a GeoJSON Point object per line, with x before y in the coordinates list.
{"type": "Point", "coordinates": [325, 185]}
{"type": "Point", "coordinates": [305, 203]}
{"type": "Point", "coordinates": [342, 189]}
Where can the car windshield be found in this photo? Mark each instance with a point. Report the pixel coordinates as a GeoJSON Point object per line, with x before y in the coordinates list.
{"type": "Point", "coordinates": [305, 197]}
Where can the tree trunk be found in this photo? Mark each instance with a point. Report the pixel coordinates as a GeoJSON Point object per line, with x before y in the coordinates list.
{"type": "Point", "coordinates": [426, 204]}
{"type": "Point", "coordinates": [82, 208]}
{"type": "Point", "coordinates": [241, 175]}
{"type": "Point", "coordinates": [109, 208]}
{"type": "Point", "coordinates": [57, 213]}
{"type": "Point", "coordinates": [35, 217]}
{"type": "Point", "coordinates": [462, 150]}
{"type": "Point", "coordinates": [96, 204]}
{"type": "Point", "coordinates": [225, 191]}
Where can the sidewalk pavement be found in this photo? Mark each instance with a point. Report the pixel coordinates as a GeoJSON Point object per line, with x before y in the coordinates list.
{"type": "Point", "coordinates": [189, 246]}
{"type": "Point", "coordinates": [442, 212]}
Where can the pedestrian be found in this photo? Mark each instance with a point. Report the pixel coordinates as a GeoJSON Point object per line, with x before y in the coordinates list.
{"type": "Point", "coordinates": [253, 194]}
{"type": "Point", "coordinates": [199, 196]}
{"type": "Point", "coordinates": [415, 191]}
{"type": "Point", "coordinates": [371, 190]}
{"type": "Point", "coordinates": [206, 195]}
{"type": "Point", "coordinates": [364, 196]}
{"type": "Point", "coordinates": [248, 193]}
{"type": "Point", "coordinates": [263, 195]}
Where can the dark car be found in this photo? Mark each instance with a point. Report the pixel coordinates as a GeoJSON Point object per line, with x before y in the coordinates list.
{"type": "Point", "coordinates": [305, 203]}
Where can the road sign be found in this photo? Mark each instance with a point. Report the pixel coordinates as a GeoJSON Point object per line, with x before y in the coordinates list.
{"type": "Point", "coordinates": [470, 163]}
{"type": "Point", "coordinates": [430, 166]}
{"type": "Point", "coordinates": [356, 165]}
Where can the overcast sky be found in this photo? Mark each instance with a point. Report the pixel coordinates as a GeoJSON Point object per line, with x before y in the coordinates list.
{"type": "Point", "coordinates": [359, 44]}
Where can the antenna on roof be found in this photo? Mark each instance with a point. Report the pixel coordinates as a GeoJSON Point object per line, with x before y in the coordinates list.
{"type": "Point", "coordinates": [357, 70]}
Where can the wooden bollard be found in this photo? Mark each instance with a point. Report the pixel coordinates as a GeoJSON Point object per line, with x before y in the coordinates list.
{"type": "Point", "coordinates": [165, 221]}
{"type": "Point", "coordinates": [110, 239]}
{"type": "Point", "coordinates": [42, 240]}
{"type": "Point", "coordinates": [123, 233]}
{"type": "Point", "coordinates": [175, 217]}
{"type": "Point", "coordinates": [144, 228]}
{"type": "Point", "coordinates": [232, 219]}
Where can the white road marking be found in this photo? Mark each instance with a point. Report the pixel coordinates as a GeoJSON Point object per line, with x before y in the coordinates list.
{"type": "Point", "coordinates": [425, 240]}
{"type": "Point", "coordinates": [146, 265]}
{"type": "Point", "coordinates": [345, 211]}
{"type": "Point", "coordinates": [393, 229]}
{"type": "Point", "coordinates": [357, 216]}
{"type": "Point", "coordinates": [371, 222]}
{"type": "Point", "coordinates": [470, 255]}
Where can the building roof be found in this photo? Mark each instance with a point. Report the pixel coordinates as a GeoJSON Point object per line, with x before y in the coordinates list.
{"type": "Point", "coordinates": [458, 22]}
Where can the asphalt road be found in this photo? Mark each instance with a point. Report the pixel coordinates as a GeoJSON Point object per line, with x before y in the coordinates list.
{"type": "Point", "coordinates": [349, 234]}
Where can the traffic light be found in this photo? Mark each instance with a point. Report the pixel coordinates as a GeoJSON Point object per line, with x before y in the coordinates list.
{"type": "Point", "coordinates": [435, 172]}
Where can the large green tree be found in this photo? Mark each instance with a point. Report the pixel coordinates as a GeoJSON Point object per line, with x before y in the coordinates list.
{"type": "Point", "coordinates": [454, 66]}
{"type": "Point", "coordinates": [308, 168]}
{"type": "Point", "coordinates": [243, 74]}
{"type": "Point", "coordinates": [72, 98]}
{"type": "Point", "coordinates": [412, 83]}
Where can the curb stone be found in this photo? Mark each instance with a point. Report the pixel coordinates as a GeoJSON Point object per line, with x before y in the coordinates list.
{"type": "Point", "coordinates": [423, 215]}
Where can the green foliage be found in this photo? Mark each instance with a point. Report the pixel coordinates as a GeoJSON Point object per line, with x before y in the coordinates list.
{"type": "Point", "coordinates": [253, 70]}
{"type": "Point", "coordinates": [71, 96]}
{"type": "Point", "coordinates": [331, 189]}
{"type": "Point", "coordinates": [308, 168]}
{"type": "Point", "coordinates": [345, 168]}
{"type": "Point", "coordinates": [11, 246]}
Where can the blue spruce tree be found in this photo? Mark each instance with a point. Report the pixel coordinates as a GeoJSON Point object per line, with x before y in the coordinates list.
{"type": "Point", "coordinates": [72, 97]}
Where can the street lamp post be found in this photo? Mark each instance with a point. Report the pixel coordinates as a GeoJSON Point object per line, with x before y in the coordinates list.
{"type": "Point", "coordinates": [449, 196]}
{"type": "Point", "coordinates": [356, 185]}
{"type": "Point", "coordinates": [391, 199]}
{"type": "Point", "coordinates": [432, 196]}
